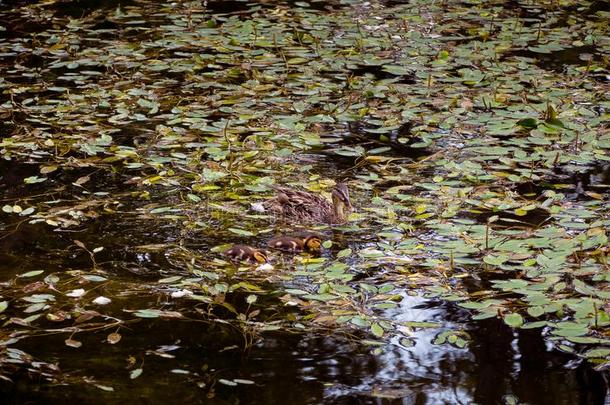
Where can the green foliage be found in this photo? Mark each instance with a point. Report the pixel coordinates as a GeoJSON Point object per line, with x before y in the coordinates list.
{"type": "Point", "coordinates": [468, 155]}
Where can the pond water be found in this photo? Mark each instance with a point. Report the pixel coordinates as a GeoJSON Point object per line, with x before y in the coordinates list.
{"type": "Point", "coordinates": [139, 132]}
{"type": "Point", "coordinates": [185, 359]}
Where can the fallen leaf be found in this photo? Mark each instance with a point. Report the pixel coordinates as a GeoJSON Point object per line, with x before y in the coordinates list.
{"type": "Point", "coordinates": [113, 338]}
{"type": "Point", "coordinates": [73, 343]}
{"type": "Point", "coordinates": [76, 293]}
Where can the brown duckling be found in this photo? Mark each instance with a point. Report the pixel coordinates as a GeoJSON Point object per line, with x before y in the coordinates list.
{"type": "Point", "coordinates": [246, 253]}
{"type": "Point", "coordinates": [301, 206]}
{"type": "Point", "coordinates": [310, 243]}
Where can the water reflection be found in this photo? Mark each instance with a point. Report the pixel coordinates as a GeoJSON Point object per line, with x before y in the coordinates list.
{"type": "Point", "coordinates": [307, 369]}
{"type": "Point", "coordinates": [298, 368]}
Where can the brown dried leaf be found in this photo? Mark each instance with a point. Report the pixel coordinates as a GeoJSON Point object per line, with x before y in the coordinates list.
{"type": "Point", "coordinates": [58, 316]}
{"type": "Point", "coordinates": [131, 361]}
{"type": "Point", "coordinates": [466, 103]}
{"type": "Point", "coordinates": [113, 338]}
{"type": "Point", "coordinates": [73, 343]}
{"type": "Point", "coordinates": [82, 180]}
{"type": "Point", "coordinates": [35, 286]}
{"type": "Point", "coordinates": [18, 321]}
{"type": "Point", "coordinates": [595, 195]}
{"type": "Point", "coordinates": [171, 314]}
{"type": "Point", "coordinates": [47, 169]}
{"type": "Point", "coordinates": [87, 315]}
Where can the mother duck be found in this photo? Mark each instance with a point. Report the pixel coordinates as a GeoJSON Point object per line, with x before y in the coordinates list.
{"type": "Point", "coordinates": [301, 206]}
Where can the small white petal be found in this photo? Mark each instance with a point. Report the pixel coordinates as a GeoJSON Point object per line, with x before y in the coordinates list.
{"type": "Point", "coordinates": [181, 293]}
{"type": "Point", "coordinates": [257, 207]}
{"type": "Point", "coordinates": [264, 267]}
{"type": "Point", "coordinates": [76, 293]}
{"type": "Point", "coordinates": [101, 300]}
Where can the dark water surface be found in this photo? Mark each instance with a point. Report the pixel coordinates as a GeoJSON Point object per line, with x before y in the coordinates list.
{"type": "Point", "coordinates": [297, 368]}
{"type": "Point", "coordinates": [184, 359]}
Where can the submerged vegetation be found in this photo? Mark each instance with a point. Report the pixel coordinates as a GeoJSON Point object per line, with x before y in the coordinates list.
{"type": "Point", "coordinates": [136, 136]}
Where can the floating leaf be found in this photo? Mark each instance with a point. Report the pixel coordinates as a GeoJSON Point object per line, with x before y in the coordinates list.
{"type": "Point", "coordinates": [58, 316]}
{"type": "Point", "coordinates": [27, 211]}
{"type": "Point", "coordinates": [73, 343]}
{"type": "Point", "coordinates": [37, 298]}
{"type": "Point", "coordinates": [94, 278]}
{"type": "Point", "coordinates": [513, 320]}
{"type": "Point", "coordinates": [535, 311]}
{"type": "Point", "coordinates": [160, 210]}
{"type": "Point", "coordinates": [170, 280]}
{"type": "Point", "coordinates": [242, 381]}
{"type": "Point", "coordinates": [113, 338]}
{"type": "Point", "coordinates": [529, 123]}
{"type": "Point", "coordinates": [320, 297]}
{"type": "Point", "coordinates": [227, 382]}
{"type": "Point", "coordinates": [377, 330]}
{"type": "Point", "coordinates": [32, 273]}
{"type": "Point", "coordinates": [147, 313]}
{"type": "Point", "coordinates": [344, 253]}
{"type": "Point", "coordinates": [47, 169]}
{"type": "Point", "coordinates": [86, 316]}
{"type": "Point", "coordinates": [135, 373]}
{"type": "Point", "coordinates": [241, 232]}
{"type": "Point", "coordinates": [76, 293]}
{"type": "Point", "coordinates": [35, 308]}
{"type": "Point", "coordinates": [601, 352]}
{"type": "Point", "coordinates": [34, 180]}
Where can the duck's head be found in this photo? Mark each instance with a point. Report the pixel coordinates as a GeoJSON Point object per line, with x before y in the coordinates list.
{"type": "Point", "coordinates": [260, 256]}
{"type": "Point", "coordinates": [312, 243]}
{"type": "Point", "coordinates": [341, 201]}
{"type": "Point", "coordinates": [283, 198]}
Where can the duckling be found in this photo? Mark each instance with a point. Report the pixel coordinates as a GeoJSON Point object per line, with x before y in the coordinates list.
{"type": "Point", "coordinates": [304, 207]}
{"type": "Point", "coordinates": [310, 243]}
{"type": "Point", "coordinates": [247, 254]}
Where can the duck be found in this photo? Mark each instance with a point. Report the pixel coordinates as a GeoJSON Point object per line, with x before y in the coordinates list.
{"type": "Point", "coordinates": [310, 243]}
{"type": "Point", "coordinates": [303, 207]}
{"type": "Point", "coordinates": [245, 253]}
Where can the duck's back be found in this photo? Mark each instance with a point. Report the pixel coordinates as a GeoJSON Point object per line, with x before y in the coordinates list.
{"type": "Point", "coordinates": [300, 205]}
